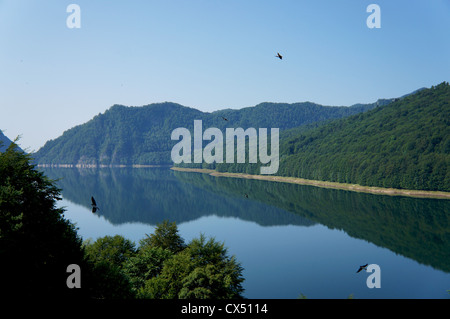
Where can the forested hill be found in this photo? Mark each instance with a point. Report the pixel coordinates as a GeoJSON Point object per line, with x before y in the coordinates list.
{"type": "Point", "coordinates": [405, 144]}
{"type": "Point", "coordinates": [4, 142]}
{"type": "Point", "coordinates": [142, 135]}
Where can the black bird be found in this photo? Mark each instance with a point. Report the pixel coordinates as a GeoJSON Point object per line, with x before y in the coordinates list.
{"type": "Point", "coordinates": [94, 205]}
{"type": "Point", "coordinates": [225, 118]}
{"type": "Point", "coordinates": [279, 56]}
{"type": "Point", "coordinates": [246, 195]}
{"type": "Point", "coordinates": [362, 267]}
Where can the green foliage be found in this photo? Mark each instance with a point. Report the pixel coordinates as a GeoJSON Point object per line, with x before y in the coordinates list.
{"type": "Point", "coordinates": [163, 267]}
{"type": "Point", "coordinates": [36, 242]}
{"type": "Point", "coordinates": [170, 281]}
{"type": "Point", "coordinates": [203, 270]}
{"type": "Point", "coordinates": [166, 237]}
{"type": "Point", "coordinates": [112, 249]}
{"type": "Point", "coordinates": [108, 255]}
{"type": "Point", "coordinates": [142, 135]}
{"type": "Point", "coordinates": [109, 281]}
{"type": "Point", "coordinates": [148, 263]}
{"type": "Point", "coordinates": [405, 144]}
{"type": "Point", "coordinates": [215, 274]}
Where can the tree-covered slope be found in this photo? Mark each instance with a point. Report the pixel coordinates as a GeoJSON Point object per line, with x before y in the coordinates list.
{"type": "Point", "coordinates": [405, 144]}
{"type": "Point", "coordinates": [142, 135]}
{"type": "Point", "coordinates": [4, 142]}
{"type": "Point", "coordinates": [121, 135]}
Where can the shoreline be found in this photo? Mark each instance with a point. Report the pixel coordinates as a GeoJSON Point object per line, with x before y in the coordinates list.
{"type": "Point", "coordinates": [324, 184]}
{"type": "Point", "coordinates": [100, 165]}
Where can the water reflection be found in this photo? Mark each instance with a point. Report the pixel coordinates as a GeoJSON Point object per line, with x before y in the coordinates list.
{"type": "Point", "coordinates": [415, 228]}
{"type": "Point", "coordinates": [151, 195]}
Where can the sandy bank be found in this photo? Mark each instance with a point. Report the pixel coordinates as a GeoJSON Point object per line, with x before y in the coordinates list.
{"type": "Point", "coordinates": [301, 181]}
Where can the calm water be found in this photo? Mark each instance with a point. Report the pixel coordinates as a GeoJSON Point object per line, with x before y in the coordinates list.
{"type": "Point", "coordinates": [290, 239]}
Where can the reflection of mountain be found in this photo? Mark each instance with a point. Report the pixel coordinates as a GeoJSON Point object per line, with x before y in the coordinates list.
{"type": "Point", "coordinates": [151, 195]}
{"type": "Point", "coordinates": [415, 228]}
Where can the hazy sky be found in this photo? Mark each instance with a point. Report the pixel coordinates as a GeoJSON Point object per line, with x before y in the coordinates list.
{"type": "Point", "coordinates": [208, 55]}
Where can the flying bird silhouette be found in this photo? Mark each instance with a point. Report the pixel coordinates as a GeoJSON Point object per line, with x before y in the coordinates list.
{"type": "Point", "coordinates": [94, 205]}
{"type": "Point", "coordinates": [246, 195]}
{"type": "Point", "coordinates": [279, 56]}
{"type": "Point", "coordinates": [362, 267]}
{"type": "Point", "coordinates": [225, 118]}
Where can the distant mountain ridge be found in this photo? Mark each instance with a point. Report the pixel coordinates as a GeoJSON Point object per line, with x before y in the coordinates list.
{"type": "Point", "coordinates": [142, 135]}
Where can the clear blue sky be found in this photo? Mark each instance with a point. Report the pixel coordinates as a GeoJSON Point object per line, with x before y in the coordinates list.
{"type": "Point", "coordinates": [209, 55]}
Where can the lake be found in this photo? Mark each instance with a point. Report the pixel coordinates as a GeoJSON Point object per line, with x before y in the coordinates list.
{"type": "Point", "coordinates": [291, 239]}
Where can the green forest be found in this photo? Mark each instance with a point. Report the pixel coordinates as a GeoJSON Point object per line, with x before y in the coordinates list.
{"type": "Point", "coordinates": [399, 143]}
{"type": "Point", "coordinates": [37, 244]}
{"type": "Point", "coordinates": [404, 144]}
{"type": "Point", "coordinates": [142, 135]}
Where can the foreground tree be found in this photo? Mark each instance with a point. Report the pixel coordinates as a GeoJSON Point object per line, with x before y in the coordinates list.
{"type": "Point", "coordinates": [107, 256]}
{"type": "Point", "coordinates": [166, 236]}
{"type": "Point", "coordinates": [36, 242]}
{"type": "Point", "coordinates": [216, 274]}
{"type": "Point", "coordinates": [203, 270]}
{"type": "Point", "coordinates": [147, 263]}
{"type": "Point", "coordinates": [113, 249]}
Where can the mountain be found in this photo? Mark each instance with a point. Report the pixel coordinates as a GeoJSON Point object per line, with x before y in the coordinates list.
{"type": "Point", "coordinates": [4, 142]}
{"type": "Point", "coordinates": [142, 135]}
{"type": "Point", "coordinates": [404, 144]}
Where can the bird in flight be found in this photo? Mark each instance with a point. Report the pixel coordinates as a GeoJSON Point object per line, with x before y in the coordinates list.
{"type": "Point", "coordinates": [279, 56]}
{"type": "Point", "coordinates": [362, 267]}
{"type": "Point", "coordinates": [94, 205]}
{"type": "Point", "coordinates": [246, 195]}
{"type": "Point", "coordinates": [225, 118]}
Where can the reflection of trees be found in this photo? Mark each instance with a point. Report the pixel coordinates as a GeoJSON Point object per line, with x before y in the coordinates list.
{"type": "Point", "coordinates": [152, 195]}
{"type": "Point", "coordinates": [415, 228]}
